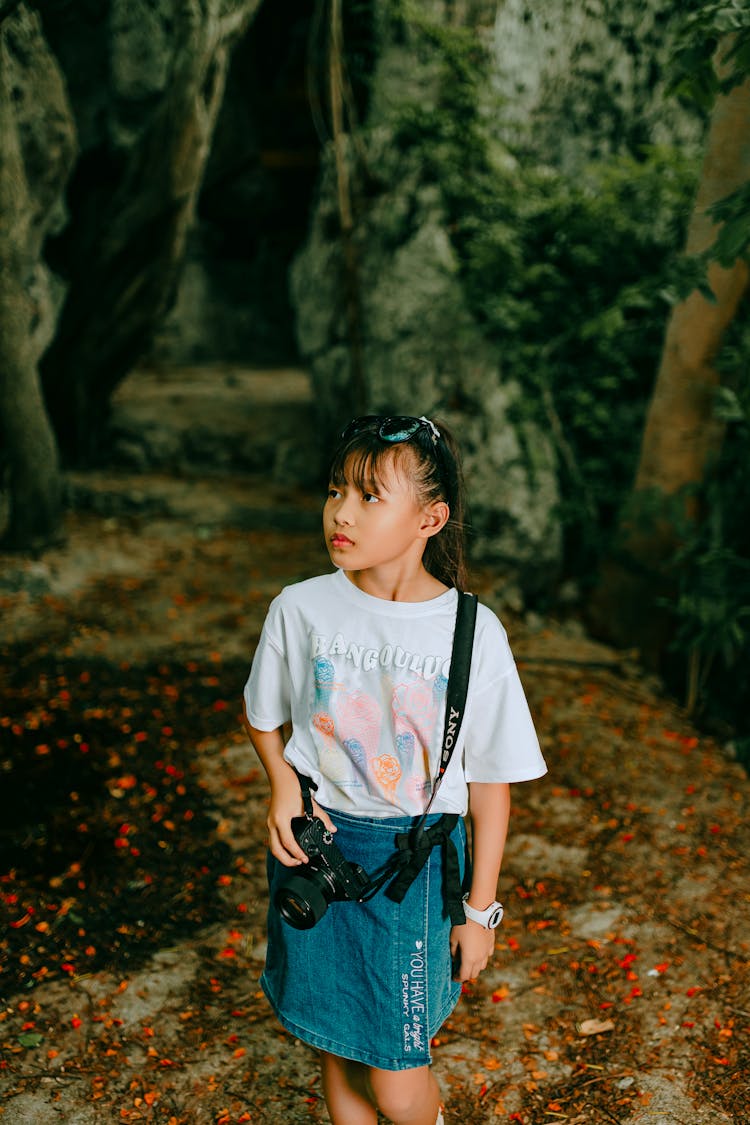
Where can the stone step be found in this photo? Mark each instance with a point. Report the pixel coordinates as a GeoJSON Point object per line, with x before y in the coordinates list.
{"type": "Point", "coordinates": [207, 502]}
{"type": "Point", "coordinates": [218, 418]}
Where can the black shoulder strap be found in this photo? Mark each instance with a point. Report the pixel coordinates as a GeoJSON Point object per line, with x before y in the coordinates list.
{"type": "Point", "coordinates": [458, 683]}
{"type": "Point", "coordinates": [414, 846]}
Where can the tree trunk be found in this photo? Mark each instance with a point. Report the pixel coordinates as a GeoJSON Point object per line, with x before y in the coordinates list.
{"type": "Point", "coordinates": [133, 198]}
{"type": "Point", "coordinates": [682, 439]}
{"type": "Point", "coordinates": [34, 483]}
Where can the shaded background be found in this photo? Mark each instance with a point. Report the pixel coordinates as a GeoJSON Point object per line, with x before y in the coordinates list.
{"type": "Point", "coordinates": [224, 228]}
{"type": "Point", "coordinates": [479, 210]}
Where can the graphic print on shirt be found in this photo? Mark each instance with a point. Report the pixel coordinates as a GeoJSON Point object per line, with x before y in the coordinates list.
{"type": "Point", "coordinates": [416, 707]}
{"type": "Point", "coordinates": [333, 759]}
{"type": "Point", "coordinates": [359, 722]}
{"type": "Point", "coordinates": [359, 743]}
{"type": "Point", "coordinates": [377, 660]}
{"type": "Point", "coordinates": [387, 771]}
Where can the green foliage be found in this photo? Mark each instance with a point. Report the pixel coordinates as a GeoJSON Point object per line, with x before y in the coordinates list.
{"type": "Point", "coordinates": [713, 613]}
{"type": "Point", "coordinates": [574, 279]}
{"type": "Point", "coordinates": [712, 56]}
{"type": "Point", "coordinates": [732, 242]}
{"type": "Point", "coordinates": [571, 278]}
{"type": "Point", "coordinates": [712, 607]}
{"type": "Point", "coordinates": [733, 239]}
{"type": "Point", "coordinates": [697, 73]}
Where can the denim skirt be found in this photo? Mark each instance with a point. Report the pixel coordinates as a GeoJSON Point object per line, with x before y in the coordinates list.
{"type": "Point", "coordinates": [369, 981]}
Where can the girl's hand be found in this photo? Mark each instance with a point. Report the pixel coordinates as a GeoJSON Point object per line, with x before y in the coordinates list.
{"type": "Point", "coordinates": [286, 803]}
{"type": "Point", "coordinates": [471, 948]}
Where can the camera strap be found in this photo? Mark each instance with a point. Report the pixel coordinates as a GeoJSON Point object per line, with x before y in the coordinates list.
{"type": "Point", "coordinates": [414, 847]}
{"type": "Point", "coordinates": [458, 688]}
{"type": "Point", "coordinates": [306, 784]}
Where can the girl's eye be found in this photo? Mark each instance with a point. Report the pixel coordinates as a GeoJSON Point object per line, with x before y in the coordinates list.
{"type": "Point", "coordinates": [370, 498]}
{"type": "Point", "coordinates": [333, 493]}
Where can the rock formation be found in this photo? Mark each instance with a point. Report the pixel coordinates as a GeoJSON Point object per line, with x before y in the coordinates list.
{"type": "Point", "coordinates": [421, 349]}
{"type": "Point", "coordinates": [146, 81]}
{"type": "Point", "coordinates": [37, 147]}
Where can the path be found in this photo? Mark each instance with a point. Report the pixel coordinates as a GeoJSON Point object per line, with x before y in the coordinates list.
{"type": "Point", "coordinates": [620, 989]}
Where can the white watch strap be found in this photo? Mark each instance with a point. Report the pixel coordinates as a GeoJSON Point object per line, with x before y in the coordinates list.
{"type": "Point", "coordinates": [489, 918]}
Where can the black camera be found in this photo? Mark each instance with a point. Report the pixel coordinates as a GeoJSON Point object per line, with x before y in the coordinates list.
{"type": "Point", "coordinates": [303, 898]}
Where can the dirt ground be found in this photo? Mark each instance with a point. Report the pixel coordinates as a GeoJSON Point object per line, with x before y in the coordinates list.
{"type": "Point", "coordinates": [620, 986]}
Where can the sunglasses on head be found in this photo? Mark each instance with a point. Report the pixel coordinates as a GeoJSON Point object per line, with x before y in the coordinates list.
{"type": "Point", "coordinates": [392, 429]}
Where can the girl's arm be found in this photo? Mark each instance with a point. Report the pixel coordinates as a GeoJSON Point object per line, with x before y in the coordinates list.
{"type": "Point", "coordinates": [489, 810]}
{"type": "Point", "coordinates": [286, 796]}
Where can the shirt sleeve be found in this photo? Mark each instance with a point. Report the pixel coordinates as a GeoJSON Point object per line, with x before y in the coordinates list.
{"type": "Point", "coordinates": [501, 743]}
{"type": "Point", "coordinates": [267, 692]}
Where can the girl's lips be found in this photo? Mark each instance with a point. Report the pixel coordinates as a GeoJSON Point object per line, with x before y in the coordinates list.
{"type": "Point", "coordinates": [340, 541]}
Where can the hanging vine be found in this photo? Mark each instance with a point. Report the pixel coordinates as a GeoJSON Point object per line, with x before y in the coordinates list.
{"type": "Point", "coordinates": [348, 155]}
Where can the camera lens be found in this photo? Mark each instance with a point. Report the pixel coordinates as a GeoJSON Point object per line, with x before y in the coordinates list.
{"type": "Point", "coordinates": [300, 902]}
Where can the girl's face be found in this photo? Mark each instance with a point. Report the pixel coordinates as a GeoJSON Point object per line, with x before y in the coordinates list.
{"type": "Point", "coordinates": [380, 524]}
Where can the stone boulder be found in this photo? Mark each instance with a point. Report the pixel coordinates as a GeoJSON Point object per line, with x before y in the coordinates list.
{"type": "Point", "coordinates": [578, 82]}
{"type": "Point", "coordinates": [422, 351]}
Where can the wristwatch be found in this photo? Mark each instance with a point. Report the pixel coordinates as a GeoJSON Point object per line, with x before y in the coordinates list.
{"type": "Point", "coordinates": [489, 918]}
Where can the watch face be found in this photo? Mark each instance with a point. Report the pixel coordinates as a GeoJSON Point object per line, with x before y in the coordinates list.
{"type": "Point", "coordinates": [495, 918]}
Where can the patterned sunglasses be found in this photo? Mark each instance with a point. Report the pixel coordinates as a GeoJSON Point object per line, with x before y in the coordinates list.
{"type": "Point", "coordinates": [392, 430]}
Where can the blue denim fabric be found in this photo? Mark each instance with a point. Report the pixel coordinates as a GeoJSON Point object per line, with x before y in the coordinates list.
{"type": "Point", "coordinates": [370, 981]}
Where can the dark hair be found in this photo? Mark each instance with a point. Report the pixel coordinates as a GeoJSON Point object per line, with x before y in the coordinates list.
{"type": "Point", "coordinates": [434, 470]}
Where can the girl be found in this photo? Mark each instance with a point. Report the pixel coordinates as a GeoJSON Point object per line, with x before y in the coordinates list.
{"type": "Point", "coordinates": [357, 662]}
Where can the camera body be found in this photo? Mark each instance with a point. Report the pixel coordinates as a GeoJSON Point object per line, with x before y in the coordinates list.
{"type": "Point", "coordinates": [303, 898]}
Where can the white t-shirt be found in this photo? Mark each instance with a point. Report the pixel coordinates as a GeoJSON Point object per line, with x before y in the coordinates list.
{"type": "Point", "coordinates": [363, 680]}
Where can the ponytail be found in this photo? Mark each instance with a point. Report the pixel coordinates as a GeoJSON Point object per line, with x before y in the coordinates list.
{"type": "Point", "coordinates": [445, 553]}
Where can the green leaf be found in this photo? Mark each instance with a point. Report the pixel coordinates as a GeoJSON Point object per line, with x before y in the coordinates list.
{"type": "Point", "coordinates": [733, 238]}
{"type": "Point", "coordinates": [30, 1038]}
{"type": "Point", "coordinates": [727, 406]}
{"type": "Point", "coordinates": [694, 63]}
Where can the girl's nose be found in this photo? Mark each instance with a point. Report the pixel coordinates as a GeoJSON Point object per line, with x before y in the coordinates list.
{"type": "Point", "coordinates": [343, 511]}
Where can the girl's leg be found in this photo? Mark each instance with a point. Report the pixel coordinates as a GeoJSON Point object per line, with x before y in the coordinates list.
{"type": "Point", "coordinates": [406, 1097]}
{"type": "Point", "coordinates": [346, 1091]}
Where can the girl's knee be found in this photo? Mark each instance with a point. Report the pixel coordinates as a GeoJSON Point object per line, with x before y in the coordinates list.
{"type": "Point", "coordinates": [403, 1095]}
{"type": "Point", "coordinates": [337, 1072]}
